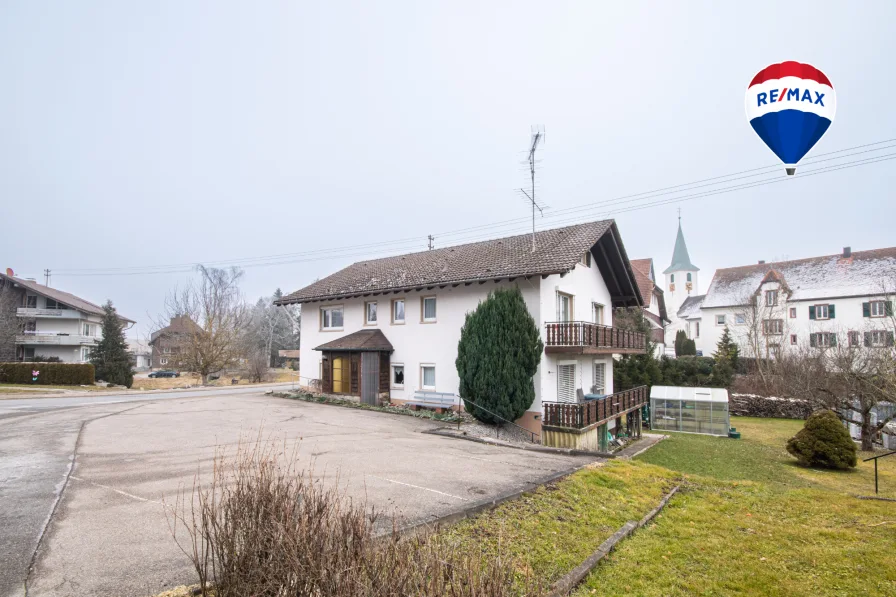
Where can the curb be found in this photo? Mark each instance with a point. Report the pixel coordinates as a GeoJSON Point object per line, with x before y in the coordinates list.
{"type": "Point", "coordinates": [533, 448]}
{"type": "Point", "coordinates": [572, 578]}
{"type": "Point", "coordinates": [644, 449]}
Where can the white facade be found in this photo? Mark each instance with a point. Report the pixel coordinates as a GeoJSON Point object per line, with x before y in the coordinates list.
{"type": "Point", "coordinates": [67, 334]}
{"type": "Point", "coordinates": [418, 343]}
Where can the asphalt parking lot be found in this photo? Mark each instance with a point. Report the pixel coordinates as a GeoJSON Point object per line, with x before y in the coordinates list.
{"type": "Point", "coordinates": [127, 462]}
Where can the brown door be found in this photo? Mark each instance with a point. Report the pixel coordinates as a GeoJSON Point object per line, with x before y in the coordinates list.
{"type": "Point", "coordinates": [370, 373]}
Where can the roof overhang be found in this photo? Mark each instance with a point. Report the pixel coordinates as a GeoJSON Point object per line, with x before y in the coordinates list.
{"type": "Point", "coordinates": [616, 269]}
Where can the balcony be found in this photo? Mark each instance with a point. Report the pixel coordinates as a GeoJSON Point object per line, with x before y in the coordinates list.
{"type": "Point", "coordinates": [582, 415]}
{"type": "Point", "coordinates": [34, 313]}
{"type": "Point", "coordinates": [581, 337]}
{"type": "Point", "coordinates": [54, 339]}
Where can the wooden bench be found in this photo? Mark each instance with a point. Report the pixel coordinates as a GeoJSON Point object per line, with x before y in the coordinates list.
{"type": "Point", "coordinates": [440, 401]}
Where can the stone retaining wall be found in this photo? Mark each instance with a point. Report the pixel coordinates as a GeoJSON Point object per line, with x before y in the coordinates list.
{"type": "Point", "coordinates": [752, 405]}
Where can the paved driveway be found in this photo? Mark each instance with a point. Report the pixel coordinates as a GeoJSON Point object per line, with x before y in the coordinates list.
{"type": "Point", "coordinates": [108, 534]}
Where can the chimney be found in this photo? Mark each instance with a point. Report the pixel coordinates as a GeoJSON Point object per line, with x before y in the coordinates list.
{"type": "Point", "coordinates": [762, 262]}
{"type": "Point", "coordinates": [847, 252]}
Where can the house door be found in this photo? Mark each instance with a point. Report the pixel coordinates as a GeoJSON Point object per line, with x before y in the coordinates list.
{"type": "Point", "coordinates": [339, 386]}
{"type": "Point", "coordinates": [370, 373]}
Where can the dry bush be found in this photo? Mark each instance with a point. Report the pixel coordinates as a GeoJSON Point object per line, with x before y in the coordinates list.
{"type": "Point", "coordinates": [263, 527]}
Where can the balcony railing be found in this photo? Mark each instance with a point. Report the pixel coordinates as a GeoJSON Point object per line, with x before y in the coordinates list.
{"type": "Point", "coordinates": [34, 313]}
{"type": "Point", "coordinates": [54, 338]}
{"type": "Point", "coordinates": [585, 337]}
{"type": "Point", "coordinates": [578, 415]}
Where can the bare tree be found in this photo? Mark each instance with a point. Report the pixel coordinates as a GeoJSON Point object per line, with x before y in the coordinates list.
{"type": "Point", "coordinates": [215, 320]}
{"type": "Point", "coordinates": [761, 328]}
{"type": "Point", "coordinates": [273, 328]}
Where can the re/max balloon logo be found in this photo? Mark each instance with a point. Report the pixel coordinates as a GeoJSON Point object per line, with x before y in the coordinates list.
{"type": "Point", "coordinates": [786, 94]}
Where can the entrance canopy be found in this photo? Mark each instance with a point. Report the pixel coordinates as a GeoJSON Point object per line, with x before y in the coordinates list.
{"type": "Point", "coordinates": [360, 341]}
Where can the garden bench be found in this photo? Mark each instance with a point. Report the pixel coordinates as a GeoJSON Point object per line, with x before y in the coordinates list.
{"type": "Point", "coordinates": [437, 400]}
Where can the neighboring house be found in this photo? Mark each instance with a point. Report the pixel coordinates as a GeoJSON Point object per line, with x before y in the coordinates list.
{"type": "Point", "coordinates": [167, 343]}
{"type": "Point", "coordinates": [818, 301]}
{"type": "Point", "coordinates": [390, 327]}
{"type": "Point", "coordinates": [654, 302]}
{"type": "Point", "coordinates": [682, 283]}
{"type": "Point", "coordinates": [689, 320]}
{"type": "Point", "coordinates": [48, 322]}
{"type": "Point", "coordinates": [140, 354]}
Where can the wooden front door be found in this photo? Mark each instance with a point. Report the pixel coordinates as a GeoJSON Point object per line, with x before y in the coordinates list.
{"type": "Point", "coordinates": [340, 383]}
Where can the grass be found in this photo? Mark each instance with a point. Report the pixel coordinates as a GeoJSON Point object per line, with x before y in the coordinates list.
{"type": "Point", "coordinates": [751, 522]}
{"type": "Point", "coordinates": [553, 529]}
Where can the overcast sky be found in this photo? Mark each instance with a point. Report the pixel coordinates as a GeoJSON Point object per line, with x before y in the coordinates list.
{"type": "Point", "coordinates": [157, 133]}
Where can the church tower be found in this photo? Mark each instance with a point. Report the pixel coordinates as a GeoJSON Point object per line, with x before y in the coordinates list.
{"type": "Point", "coordinates": [682, 279]}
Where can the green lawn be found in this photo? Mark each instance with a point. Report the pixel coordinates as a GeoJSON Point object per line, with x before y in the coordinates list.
{"type": "Point", "coordinates": [751, 522]}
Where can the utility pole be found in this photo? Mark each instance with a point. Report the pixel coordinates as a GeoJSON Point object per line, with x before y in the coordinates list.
{"type": "Point", "coordinates": [430, 238]}
{"type": "Point", "coordinates": [46, 277]}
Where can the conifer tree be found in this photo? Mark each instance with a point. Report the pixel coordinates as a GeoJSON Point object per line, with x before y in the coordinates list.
{"type": "Point", "coordinates": [497, 356]}
{"type": "Point", "coordinates": [680, 338]}
{"type": "Point", "coordinates": [726, 349]}
{"type": "Point", "coordinates": [110, 356]}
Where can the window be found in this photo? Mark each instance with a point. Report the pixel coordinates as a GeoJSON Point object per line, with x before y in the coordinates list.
{"type": "Point", "coordinates": [793, 339]}
{"type": "Point", "coordinates": [53, 304]}
{"type": "Point", "coordinates": [586, 259]}
{"type": "Point", "coordinates": [793, 313]}
{"type": "Point", "coordinates": [85, 353]}
{"type": "Point", "coordinates": [821, 312]}
{"type": "Point", "coordinates": [672, 279]}
{"type": "Point", "coordinates": [429, 310]}
{"type": "Point", "coordinates": [428, 377]}
{"type": "Point", "coordinates": [398, 376]}
{"type": "Point", "coordinates": [166, 350]}
{"type": "Point", "coordinates": [773, 327]}
{"type": "Point", "coordinates": [564, 307]}
{"type": "Point", "coordinates": [720, 320]}
{"type": "Point", "coordinates": [597, 313]}
{"type": "Point", "coordinates": [771, 298]}
{"type": "Point", "coordinates": [370, 313]}
{"type": "Point", "coordinates": [88, 329]}
{"type": "Point", "coordinates": [740, 318]}
{"type": "Point", "coordinates": [823, 339]}
{"type": "Point", "coordinates": [697, 329]}
{"type": "Point", "coordinates": [878, 308]}
{"type": "Point", "coordinates": [600, 379]}
{"type": "Point", "coordinates": [878, 338]}
{"type": "Point", "coordinates": [31, 302]}
{"type": "Point", "coordinates": [30, 326]}
{"type": "Point", "coordinates": [689, 277]}
{"type": "Point", "coordinates": [331, 318]}
{"type": "Point", "coordinates": [398, 311]}
{"type": "Point", "coordinates": [853, 338]}
{"type": "Point", "coordinates": [163, 361]}
{"type": "Point", "coordinates": [566, 383]}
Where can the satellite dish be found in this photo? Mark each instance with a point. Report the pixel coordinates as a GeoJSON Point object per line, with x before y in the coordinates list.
{"type": "Point", "coordinates": [9, 272]}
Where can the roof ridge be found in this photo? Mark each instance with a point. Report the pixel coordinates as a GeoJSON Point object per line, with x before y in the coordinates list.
{"type": "Point", "coordinates": [772, 264]}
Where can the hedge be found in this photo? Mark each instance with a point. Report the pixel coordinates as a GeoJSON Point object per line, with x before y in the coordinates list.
{"type": "Point", "coordinates": [57, 374]}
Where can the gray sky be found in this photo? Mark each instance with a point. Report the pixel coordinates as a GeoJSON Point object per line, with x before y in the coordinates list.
{"type": "Point", "coordinates": [137, 134]}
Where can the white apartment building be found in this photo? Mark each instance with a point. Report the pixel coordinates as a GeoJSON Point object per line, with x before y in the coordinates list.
{"type": "Point", "coordinates": [390, 327]}
{"type": "Point", "coordinates": [51, 323]}
{"type": "Point", "coordinates": [818, 301]}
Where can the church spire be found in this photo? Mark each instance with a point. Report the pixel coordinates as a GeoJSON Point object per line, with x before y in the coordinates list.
{"type": "Point", "coordinates": [681, 261]}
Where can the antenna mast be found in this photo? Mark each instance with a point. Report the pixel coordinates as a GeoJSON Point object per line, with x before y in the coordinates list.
{"type": "Point", "coordinates": [537, 137]}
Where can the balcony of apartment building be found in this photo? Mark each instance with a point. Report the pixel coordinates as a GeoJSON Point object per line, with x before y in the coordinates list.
{"type": "Point", "coordinates": [42, 313]}
{"type": "Point", "coordinates": [54, 338]}
{"type": "Point", "coordinates": [582, 337]}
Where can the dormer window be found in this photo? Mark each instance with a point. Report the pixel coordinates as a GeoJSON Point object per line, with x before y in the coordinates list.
{"type": "Point", "coordinates": [771, 298]}
{"type": "Point", "coordinates": [586, 259]}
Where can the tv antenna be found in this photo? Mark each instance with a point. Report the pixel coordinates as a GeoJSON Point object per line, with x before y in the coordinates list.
{"type": "Point", "coordinates": [537, 137]}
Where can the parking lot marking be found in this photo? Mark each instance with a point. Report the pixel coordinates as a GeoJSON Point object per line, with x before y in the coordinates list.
{"type": "Point", "coordinates": [124, 493]}
{"type": "Point", "coordinates": [457, 497]}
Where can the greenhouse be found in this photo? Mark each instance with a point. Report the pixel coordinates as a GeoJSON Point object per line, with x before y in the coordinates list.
{"type": "Point", "coordinates": [692, 410]}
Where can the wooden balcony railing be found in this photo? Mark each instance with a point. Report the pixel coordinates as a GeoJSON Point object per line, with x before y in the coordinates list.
{"type": "Point", "coordinates": [578, 415]}
{"type": "Point", "coordinates": [582, 336]}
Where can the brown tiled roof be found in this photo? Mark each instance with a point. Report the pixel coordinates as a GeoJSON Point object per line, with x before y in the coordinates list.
{"type": "Point", "coordinates": [66, 298]}
{"type": "Point", "coordinates": [830, 276]}
{"type": "Point", "coordinates": [363, 340]}
{"type": "Point", "coordinates": [180, 324]}
{"type": "Point", "coordinates": [641, 268]}
{"type": "Point", "coordinates": [557, 251]}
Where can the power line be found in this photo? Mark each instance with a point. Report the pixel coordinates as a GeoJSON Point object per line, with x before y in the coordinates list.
{"type": "Point", "coordinates": [469, 234]}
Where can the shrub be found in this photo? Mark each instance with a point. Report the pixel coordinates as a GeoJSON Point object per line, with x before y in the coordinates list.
{"type": "Point", "coordinates": [59, 374]}
{"type": "Point", "coordinates": [260, 526]}
{"type": "Point", "coordinates": [497, 356]}
{"type": "Point", "coordinates": [823, 441]}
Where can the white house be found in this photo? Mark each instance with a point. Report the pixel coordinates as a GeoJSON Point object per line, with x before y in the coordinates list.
{"type": "Point", "coordinates": [390, 326]}
{"type": "Point", "coordinates": [818, 301]}
{"type": "Point", "coordinates": [682, 292]}
{"type": "Point", "coordinates": [51, 323]}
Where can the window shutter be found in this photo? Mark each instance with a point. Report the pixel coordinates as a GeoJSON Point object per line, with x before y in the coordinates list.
{"type": "Point", "coordinates": [889, 338]}
{"type": "Point", "coordinates": [833, 339]}
{"type": "Point", "coordinates": [867, 338]}
{"type": "Point", "coordinates": [888, 308]}
{"type": "Point", "coordinates": [566, 386]}
{"type": "Point", "coordinates": [830, 311]}
{"type": "Point", "coordinates": [813, 340]}
{"type": "Point", "coordinates": [866, 309]}
{"type": "Point", "coordinates": [812, 312]}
